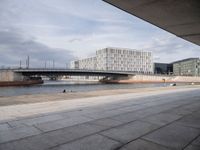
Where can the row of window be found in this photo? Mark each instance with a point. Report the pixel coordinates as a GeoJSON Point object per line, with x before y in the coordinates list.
{"type": "Point", "coordinates": [122, 51]}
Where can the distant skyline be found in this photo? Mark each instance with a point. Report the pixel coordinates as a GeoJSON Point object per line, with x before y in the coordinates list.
{"type": "Point", "coordinates": [64, 30]}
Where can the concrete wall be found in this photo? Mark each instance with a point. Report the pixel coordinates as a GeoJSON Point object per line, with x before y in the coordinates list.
{"type": "Point", "coordinates": [157, 78]}
{"type": "Point", "coordinates": [165, 78]}
{"type": "Point", "coordinates": [9, 75]}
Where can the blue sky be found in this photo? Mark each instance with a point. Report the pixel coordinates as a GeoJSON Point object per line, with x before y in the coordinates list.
{"type": "Point", "coordinates": [63, 30]}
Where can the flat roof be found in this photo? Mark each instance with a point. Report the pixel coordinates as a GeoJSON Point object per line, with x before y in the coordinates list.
{"type": "Point", "coordinates": [128, 49]}
{"type": "Point", "coordinates": [187, 59]}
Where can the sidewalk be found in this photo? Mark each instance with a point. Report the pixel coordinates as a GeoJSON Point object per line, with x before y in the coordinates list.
{"type": "Point", "coordinates": [147, 120]}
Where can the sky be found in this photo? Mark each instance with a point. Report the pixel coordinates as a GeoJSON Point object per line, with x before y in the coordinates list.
{"type": "Point", "coordinates": [65, 30]}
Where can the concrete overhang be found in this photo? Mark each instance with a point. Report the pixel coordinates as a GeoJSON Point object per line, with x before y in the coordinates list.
{"type": "Point", "coordinates": [180, 17]}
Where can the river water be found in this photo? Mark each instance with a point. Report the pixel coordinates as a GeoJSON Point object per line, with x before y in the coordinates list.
{"type": "Point", "coordinates": [59, 86]}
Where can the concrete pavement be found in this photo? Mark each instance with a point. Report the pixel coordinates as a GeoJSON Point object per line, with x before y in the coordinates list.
{"type": "Point", "coordinates": [163, 120]}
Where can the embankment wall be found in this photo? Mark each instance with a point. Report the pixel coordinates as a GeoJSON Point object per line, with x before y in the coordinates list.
{"type": "Point", "coordinates": [157, 78]}
{"type": "Point", "coordinates": [9, 75]}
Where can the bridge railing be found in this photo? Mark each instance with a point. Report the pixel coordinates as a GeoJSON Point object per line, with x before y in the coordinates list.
{"type": "Point", "coordinates": [68, 69]}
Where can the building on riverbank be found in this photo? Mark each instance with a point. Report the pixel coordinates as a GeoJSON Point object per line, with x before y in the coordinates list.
{"type": "Point", "coordinates": [117, 59]}
{"type": "Point", "coordinates": [87, 63]}
{"type": "Point", "coordinates": [163, 68]}
{"type": "Point", "coordinates": [74, 64]}
{"type": "Point", "coordinates": [187, 67]}
{"type": "Point", "coordinates": [121, 59]}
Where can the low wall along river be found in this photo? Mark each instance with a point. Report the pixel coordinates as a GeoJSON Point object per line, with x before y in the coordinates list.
{"type": "Point", "coordinates": [9, 75]}
{"type": "Point", "coordinates": [156, 79]}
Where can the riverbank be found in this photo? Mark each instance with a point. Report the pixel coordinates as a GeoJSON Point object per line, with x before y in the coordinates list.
{"type": "Point", "coordinates": [36, 98]}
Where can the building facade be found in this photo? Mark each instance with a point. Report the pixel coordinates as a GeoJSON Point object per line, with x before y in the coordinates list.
{"type": "Point", "coordinates": [163, 68]}
{"type": "Point", "coordinates": [187, 67]}
{"type": "Point", "coordinates": [74, 64]}
{"type": "Point", "coordinates": [118, 59]}
{"type": "Point", "coordinates": [88, 63]}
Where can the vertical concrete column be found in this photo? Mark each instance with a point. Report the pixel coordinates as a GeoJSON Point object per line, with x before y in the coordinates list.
{"type": "Point", "coordinates": [9, 75]}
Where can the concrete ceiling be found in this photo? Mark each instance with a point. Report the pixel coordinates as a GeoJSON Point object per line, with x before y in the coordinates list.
{"type": "Point", "coordinates": [180, 17]}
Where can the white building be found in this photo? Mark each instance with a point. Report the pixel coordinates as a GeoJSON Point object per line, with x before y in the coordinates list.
{"type": "Point", "coordinates": [88, 63]}
{"type": "Point", "coordinates": [74, 64]}
{"type": "Point", "coordinates": [119, 59]}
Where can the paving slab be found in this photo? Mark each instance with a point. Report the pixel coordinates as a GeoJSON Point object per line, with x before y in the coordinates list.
{"type": "Point", "coordinates": [94, 142]}
{"type": "Point", "coordinates": [35, 120]}
{"type": "Point", "coordinates": [143, 145]}
{"type": "Point", "coordinates": [4, 126]}
{"type": "Point", "coordinates": [192, 147]}
{"type": "Point", "coordinates": [128, 117]}
{"type": "Point", "coordinates": [107, 122]}
{"type": "Point", "coordinates": [154, 110]}
{"type": "Point", "coordinates": [196, 141]}
{"type": "Point", "coordinates": [130, 131]}
{"type": "Point", "coordinates": [105, 114]}
{"type": "Point", "coordinates": [132, 108]}
{"type": "Point", "coordinates": [192, 120]}
{"type": "Point", "coordinates": [17, 133]}
{"type": "Point", "coordinates": [192, 106]}
{"type": "Point", "coordinates": [173, 136]}
{"type": "Point", "coordinates": [58, 124]}
{"type": "Point", "coordinates": [134, 115]}
{"type": "Point", "coordinates": [178, 111]}
{"type": "Point", "coordinates": [161, 119]}
{"type": "Point", "coordinates": [53, 138]}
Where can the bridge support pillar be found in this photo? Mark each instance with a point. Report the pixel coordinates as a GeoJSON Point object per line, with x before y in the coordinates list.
{"type": "Point", "coordinates": [9, 75]}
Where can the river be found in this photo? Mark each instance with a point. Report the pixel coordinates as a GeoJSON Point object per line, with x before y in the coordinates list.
{"type": "Point", "coordinates": [59, 86]}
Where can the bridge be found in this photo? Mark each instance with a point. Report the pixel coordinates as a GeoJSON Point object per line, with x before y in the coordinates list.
{"type": "Point", "coordinates": [71, 72]}
{"type": "Point", "coordinates": [22, 73]}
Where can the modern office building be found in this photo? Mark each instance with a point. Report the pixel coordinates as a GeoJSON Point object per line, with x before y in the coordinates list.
{"type": "Point", "coordinates": [118, 59]}
{"type": "Point", "coordinates": [163, 68]}
{"type": "Point", "coordinates": [88, 63]}
{"type": "Point", "coordinates": [121, 59]}
{"type": "Point", "coordinates": [187, 67]}
{"type": "Point", "coordinates": [74, 64]}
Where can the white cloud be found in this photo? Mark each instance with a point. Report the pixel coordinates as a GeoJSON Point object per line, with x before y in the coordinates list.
{"type": "Point", "coordinates": [85, 26]}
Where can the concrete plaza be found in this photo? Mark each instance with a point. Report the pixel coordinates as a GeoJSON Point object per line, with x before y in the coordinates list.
{"type": "Point", "coordinates": [150, 120]}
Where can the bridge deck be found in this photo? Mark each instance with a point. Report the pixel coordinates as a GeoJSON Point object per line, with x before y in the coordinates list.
{"type": "Point", "coordinates": [41, 71]}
